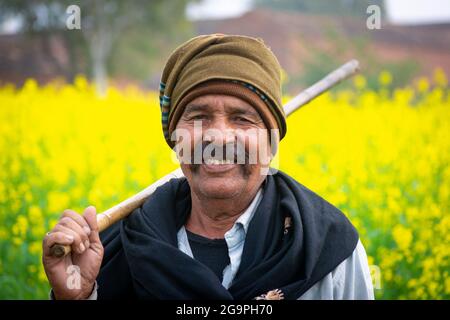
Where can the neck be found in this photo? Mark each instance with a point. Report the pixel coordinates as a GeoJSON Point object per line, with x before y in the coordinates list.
{"type": "Point", "coordinates": [212, 218]}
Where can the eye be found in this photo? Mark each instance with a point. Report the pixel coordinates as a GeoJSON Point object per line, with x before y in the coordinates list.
{"type": "Point", "coordinates": [198, 117]}
{"type": "Point", "coordinates": [242, 119]}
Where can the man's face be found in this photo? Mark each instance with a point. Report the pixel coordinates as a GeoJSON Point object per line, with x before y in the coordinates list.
{"type": "Point", "coordinates": [228, 143]}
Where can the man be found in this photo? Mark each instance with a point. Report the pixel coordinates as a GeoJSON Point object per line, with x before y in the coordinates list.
{"type": "Point", "coordinates": [230, 229]}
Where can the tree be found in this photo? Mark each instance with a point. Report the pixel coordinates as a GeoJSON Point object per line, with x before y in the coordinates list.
{"type": "Point", "coordinates": [104, 24]}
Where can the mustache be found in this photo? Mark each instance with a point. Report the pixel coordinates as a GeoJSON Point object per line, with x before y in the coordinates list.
{"type": "Point", "coordinates": [233, 152]}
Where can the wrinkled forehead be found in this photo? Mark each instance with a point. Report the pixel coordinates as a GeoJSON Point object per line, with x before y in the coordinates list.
{"type": "Point", "coordinates": [215, 103]}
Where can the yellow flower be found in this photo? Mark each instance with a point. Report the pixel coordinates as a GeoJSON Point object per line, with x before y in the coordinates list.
{"type": "Point", "coordinates": [35, 213]}
{"type": "Point", "coordinates": [447, 285]}
{"type": "Point", "coordinates": [402, 236]}
{"type": "Point", "coordinates": [423, 85]}
{"type": "Point", "coordinates": [20, 227]}
{"type": "Point", "coordinates": [440, 78]}
{"type": "Point", "coordinates": [35, 248]}
{"type": "Point", "coordinates": [57, 201]}
{"type": "Point", "coordinates": [3, 234]}
{"type": "Point", "coordinates": [381, 158]}
{"type": "Point", "coordinates": [385, 78]}
{"type": "Point", "coordinates": [17, 241]}
{"type": "Point", "coordinates": [359, 81]}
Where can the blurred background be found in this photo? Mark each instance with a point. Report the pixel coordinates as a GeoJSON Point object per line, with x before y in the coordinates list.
{"type": "Point", "coordinates": [80, 121]}
{"type": "Point", "coordinates": [128, 41]}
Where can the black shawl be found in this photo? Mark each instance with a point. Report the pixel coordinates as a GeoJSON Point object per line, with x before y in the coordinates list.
{"type": "Point", "coordinates": [142, 259]}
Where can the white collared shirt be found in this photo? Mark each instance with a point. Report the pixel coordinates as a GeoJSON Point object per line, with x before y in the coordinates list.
{"type": "Point", "coordinates": [235, 239]}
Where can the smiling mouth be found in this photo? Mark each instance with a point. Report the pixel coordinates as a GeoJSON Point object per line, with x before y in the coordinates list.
{"type": "Point", "coordinates": [218, 162]}
{"type": "Point", "coordinates": [218, 166]}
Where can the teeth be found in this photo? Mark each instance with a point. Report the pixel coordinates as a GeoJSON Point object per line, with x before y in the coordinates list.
{"type": "Point", "coordinates": [217, 162]}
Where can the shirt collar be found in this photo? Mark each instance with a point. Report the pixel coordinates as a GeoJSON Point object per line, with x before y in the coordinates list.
{"type": "Point", "coordinates": [236, 234]}
{"type": "Point", "coordinates": [246, 217]}
{"type": "Point", "coordinates": [239, 230]}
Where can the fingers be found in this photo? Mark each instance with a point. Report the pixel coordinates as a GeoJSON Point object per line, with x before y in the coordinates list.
{"type": "Point", "coordinates": [78, 244]}
{"type": "Point", "coordinates": [78, 219]}
{"type": "Point", "coordinates": [82, 231]}
{"type": "Point", "coordinates": [90, 216]}
{"type": "Point", "coordinates": [56, 238]}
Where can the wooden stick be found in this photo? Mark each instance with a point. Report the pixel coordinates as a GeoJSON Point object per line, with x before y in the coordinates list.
{"type": "Point", "coordinates": [123, 209]}
{"type": "Point", "coordinates": [332, 79]}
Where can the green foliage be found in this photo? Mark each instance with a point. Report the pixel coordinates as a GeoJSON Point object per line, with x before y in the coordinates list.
{"type": "Point", "coordinates": [139, 31]}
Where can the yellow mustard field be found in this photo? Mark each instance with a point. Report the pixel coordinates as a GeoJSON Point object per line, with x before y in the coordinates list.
{"type": "Point", "coordinates": [382, 157]}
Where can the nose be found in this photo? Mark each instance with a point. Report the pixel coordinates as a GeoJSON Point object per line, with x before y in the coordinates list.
{"type": "Point", "coordinates": [220, 131]}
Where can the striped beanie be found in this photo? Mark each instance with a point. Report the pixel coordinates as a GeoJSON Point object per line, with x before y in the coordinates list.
{"type": "Point", "coordinates": [240, 66]}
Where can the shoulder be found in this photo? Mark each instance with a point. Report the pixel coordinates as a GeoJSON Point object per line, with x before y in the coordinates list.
{"type": "Point", "coordinates": [354, 268]}
{"type": "Point", "coordinates": [349, 280]}
{"type": "Point", "coordinates": [309, 200]}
